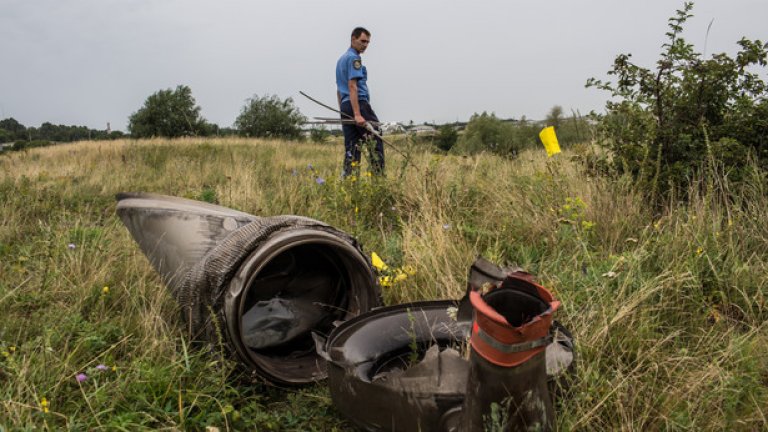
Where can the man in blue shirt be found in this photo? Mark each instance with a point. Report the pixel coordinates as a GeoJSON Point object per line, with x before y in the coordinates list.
{"type": "Point", "coordinates": [354, 101]}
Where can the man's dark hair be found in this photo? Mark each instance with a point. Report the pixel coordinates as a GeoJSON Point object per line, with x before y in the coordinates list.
{"type": "Point", "coordinates": [360, 30]}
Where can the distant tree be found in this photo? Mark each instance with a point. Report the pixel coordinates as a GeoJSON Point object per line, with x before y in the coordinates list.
{"type": "Point", "coordinates": [555, 116]}
{"type": "Point", "coordinates": [570, 130]}
{"type": "Point", "coordinates": [168, 113]}
{"type": "Point", "coordinates": [226, 131]}
{"type": "Point", "coordinates": [16, 130]}
{"type": "Point", "coordinates": [269, 116]}
{"type": "Point", "coordinates": [446, 137]}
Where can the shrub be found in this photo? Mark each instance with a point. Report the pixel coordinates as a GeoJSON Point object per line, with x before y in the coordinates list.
{"type": "Point", "coordinates": [23, 145]}
{"type": "Point", "coordinates": [270, 117]}
{"type": "Point", "coordinates": [446, 137]}
{"type": "Point", "coordinates": [168, 113]}
{"type": "Point", "coordinates": [663, 125]}
{"type": "Point", "coordinates": [486, 132]}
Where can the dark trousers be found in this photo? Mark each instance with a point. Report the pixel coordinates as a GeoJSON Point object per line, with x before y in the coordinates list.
{"type": "Point", "coordinates": [356, 137]}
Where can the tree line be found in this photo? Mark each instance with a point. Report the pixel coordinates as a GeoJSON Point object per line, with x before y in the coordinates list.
{"type": "Point", "coordinates": [13, 131]}
{"type": "Point", "coordinates": [174, 113]}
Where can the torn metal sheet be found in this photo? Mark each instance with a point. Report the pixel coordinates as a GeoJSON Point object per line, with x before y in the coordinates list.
{"type": "Point", "coordinates": [405, 367]}
{"type": "Point", "coordinates": [263, 283]}
{"type": "Point", "coordinates": [175, 233]}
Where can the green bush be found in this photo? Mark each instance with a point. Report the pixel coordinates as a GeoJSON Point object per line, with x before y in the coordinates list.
{"type": "Point", "coordinates": [270, 117]}
{"type": "Point", "coordinates": [446, 137]}
{"type": "Point", "coordinates": [23, 145]}
{"type": "Point", "coordinates": [168, 113]}
{"type": "Point", "coordinates": [486, 132]}
{"type": "Point", "coordinates": [662, 126]}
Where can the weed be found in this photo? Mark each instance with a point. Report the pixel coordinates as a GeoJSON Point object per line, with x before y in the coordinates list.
{"type": "Point", "coordinates": [667, 308]}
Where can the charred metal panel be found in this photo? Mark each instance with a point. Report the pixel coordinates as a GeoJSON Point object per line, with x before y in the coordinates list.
{"type": "Point", "coordinates": [266, 283]}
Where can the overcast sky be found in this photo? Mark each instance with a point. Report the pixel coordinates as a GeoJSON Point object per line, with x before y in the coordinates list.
{"type": "Point", "coordinates": [89, 62]}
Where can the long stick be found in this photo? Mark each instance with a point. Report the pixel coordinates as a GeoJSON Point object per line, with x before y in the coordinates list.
{"type": "Point", "coordinates": [324, 105]}
{"type": "Point", "coordinates": [368, 125]}
{"type": "Point", "coordinates": [341, 121]}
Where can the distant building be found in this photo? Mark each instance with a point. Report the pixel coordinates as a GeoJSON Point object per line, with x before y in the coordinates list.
{"type": "Point", "coordinates": [422, 130]}
{"type": "Point", "coordinates": [392, 128]}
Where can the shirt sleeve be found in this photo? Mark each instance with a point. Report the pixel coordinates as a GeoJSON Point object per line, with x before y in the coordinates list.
{"type": "Point", "coordinates": [355, 68]}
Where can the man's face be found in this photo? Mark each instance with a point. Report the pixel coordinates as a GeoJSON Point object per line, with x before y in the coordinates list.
{"type": "Point", "coordinates": [361, 43]}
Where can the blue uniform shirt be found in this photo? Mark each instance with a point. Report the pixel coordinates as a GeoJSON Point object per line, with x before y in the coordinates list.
{"type": "Point", "coordinates": [349, 67]}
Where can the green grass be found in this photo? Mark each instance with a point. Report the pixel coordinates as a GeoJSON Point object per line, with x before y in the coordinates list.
{"type": "Point", "coordinates": [668, 308]}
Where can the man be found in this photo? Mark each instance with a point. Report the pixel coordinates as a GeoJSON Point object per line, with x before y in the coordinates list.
{"type": "Point", "coordinates": [354, 101]}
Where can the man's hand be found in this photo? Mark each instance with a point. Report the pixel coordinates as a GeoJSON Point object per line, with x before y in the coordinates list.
{"type": "Point", "coordinates": [359, 120]}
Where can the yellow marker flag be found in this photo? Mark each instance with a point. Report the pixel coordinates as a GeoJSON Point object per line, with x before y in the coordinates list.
{"type": "Point", "coordinates": [549, 139]}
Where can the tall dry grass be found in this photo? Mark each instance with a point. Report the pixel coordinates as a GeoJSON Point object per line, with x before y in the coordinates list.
{"type": "Point", "coordinates": [667, 307]}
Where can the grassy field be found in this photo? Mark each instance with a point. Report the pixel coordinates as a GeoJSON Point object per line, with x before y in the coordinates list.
{"type": "Point", "coordinates": [668, 308]}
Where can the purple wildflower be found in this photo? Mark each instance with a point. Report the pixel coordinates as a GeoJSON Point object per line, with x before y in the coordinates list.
{"type": "Point", "coordinates": [71, 246]}
{"type": "Point", "coordinates": [310, 167]}
{"type": "Point", "coordinates": [320, 180]}
{"type": "Point", "coordinates": [101, 367]}
{"type": "Point", "coordinates": [446, 226]}
{"type": "Point", "coordinates": [81, 377]}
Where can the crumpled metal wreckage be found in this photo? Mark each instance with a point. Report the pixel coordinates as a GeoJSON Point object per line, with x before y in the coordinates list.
{"type": "Point", "coordinates": [296, 301]}
{"type": "Point", "coordinates": [262, 283]}
{"type": "Point", "coordinates": [405, 367]}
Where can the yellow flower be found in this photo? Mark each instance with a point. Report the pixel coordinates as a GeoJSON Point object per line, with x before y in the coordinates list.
{"type": "Point", "coordinates": [400, 276]}
{"type": "Point", "coordinates": [354, 164]}
{"type": "Point", "coordinates": [105, 290]}
{"type": "Point", "coordinates": [44, 404]}
{"type": "Point", "coordinates": [699, 251]}
{"type": "Point", "coordinates": [377, 262]}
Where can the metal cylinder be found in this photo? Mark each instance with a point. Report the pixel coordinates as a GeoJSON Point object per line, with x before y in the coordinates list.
{"type": "Point", "coordinates": [507, 398]}
{"type": "Point", "coordinates": [258, 287]}
{"type": "Point", "coordinates": [507, 383]}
